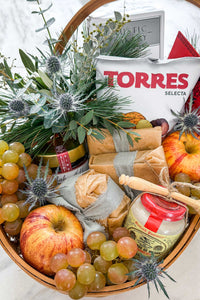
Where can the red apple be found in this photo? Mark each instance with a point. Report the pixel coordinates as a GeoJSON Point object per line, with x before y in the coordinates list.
{"type": "Point", "coordinates": [46, 231]}
{"type": "Point", "coordinates": [183, 155]}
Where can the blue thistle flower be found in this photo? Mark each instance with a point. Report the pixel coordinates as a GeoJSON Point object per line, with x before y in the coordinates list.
{"type": "Point", "coordinates": [18, 108]}
{"type": "Point", "coordinates": [53, 65]}
{"type": "Point", "coordinates": [147, 269]}
{"type": "Point", "coordinates": [40, 189]}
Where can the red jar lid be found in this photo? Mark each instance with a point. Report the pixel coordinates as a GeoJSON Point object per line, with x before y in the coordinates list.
{"type": "Point", "coordinates": [159, 207]}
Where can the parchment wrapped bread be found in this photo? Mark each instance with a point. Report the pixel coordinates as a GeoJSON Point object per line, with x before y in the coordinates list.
{"type": "Point", "coordinates": [95, 199]}
{"type": "Point", "coordinates": [144, 164]}
{"type": "Point", "coordinates": [150, 138]}
{"type": "Point", "coordinates": [89, 187]}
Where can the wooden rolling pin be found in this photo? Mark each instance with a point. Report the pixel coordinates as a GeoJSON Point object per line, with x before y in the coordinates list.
{"type": "Point", "coordinates": [146, 186]}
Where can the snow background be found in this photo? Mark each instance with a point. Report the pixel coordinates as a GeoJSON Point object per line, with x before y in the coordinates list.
{"type": "Point", "coordinates": [17, 30]}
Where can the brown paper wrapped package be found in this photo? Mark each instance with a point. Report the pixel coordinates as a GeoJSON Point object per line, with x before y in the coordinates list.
{"type": "Point", "coordinates": [150, 138]}
{"type": "Point", "coordinates": [147, 164]}
{"type": "Point", "coordinates": [89, 187]}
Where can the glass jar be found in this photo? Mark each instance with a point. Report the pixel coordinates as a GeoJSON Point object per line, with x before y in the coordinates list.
{"type": "Point", "coordinates": [155, 223]}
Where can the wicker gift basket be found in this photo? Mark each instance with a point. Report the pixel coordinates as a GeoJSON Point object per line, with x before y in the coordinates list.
{"type": "Point", "coordinates": [194, 222]}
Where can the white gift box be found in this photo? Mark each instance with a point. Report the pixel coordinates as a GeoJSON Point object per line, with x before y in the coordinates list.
{"type": "Point", "coordinates": [154, 86]}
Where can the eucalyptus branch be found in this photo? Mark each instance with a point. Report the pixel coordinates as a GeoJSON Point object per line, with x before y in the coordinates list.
{"type": "Point", "coordinates": [47, 28]}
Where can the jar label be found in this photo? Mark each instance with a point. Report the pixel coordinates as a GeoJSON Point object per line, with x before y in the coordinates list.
{"type": "Point", "coordinates": [147, 240]}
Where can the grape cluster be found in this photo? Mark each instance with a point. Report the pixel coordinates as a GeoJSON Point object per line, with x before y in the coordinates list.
{"type": "Point", "coordinates": [13, 208]}
{"type": "Point", "coordinates": [104, 262]}
{"type": "Point", "coordinates": [186, 190]}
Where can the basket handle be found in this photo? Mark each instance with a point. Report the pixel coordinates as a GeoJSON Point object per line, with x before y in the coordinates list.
{"type": "Point", "coordinates": [77, 19]}
{"type": "Point", "coordinates": [81, 15]}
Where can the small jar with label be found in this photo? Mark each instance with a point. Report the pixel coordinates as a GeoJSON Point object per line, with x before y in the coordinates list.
{"type": "Point", "coordinates": [156, 224]}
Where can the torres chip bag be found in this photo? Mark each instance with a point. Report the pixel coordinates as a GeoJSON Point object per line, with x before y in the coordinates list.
{"type": "Point", "coordinates": [154, 86]}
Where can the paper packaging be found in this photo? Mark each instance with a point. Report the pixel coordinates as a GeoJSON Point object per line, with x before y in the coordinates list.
{"type": "Point", "coordinates": [154, 87]}
{"type": "Point", "coordinates": [150, 138]}
{"type": "Point", "coordinates": [144, 164]}
{"type": "Point", "coordinates": [96, 200]}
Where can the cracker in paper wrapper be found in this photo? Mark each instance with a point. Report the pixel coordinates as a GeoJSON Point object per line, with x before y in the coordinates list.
{"type": "Point", "coordinates": [150, 138]}
{"type": "Point", "coordinates": [95, 199]}
{"type": "Point", "coordinates": [145, 164]}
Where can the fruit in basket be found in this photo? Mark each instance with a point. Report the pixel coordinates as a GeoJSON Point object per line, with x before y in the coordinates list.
{"type": "Point", "coordinates": [76, 257]}
{"type": "Point", "coordinates": [183, 154]}
{"type": "Point", "coordinates": [46, 231]}
{"type": "Point", "coordinates": [163, 123]}
{"type": "Point", "coordinates": [10, 171]}
{"type": "Point", "coordinates": [58, 262]}
{"type": "Point", "coordinates": [98, 283]}
{"type": "Point", "coordinates": [3, 147]}
{"type": "Point", "coordinates": [182, 177]}
{"type": "Point", "coordinates": [65, 280]}
{"type": "Point", "coordinates": [120, 232]}
{"type": "Point", "coordinates": [108, 250]}
{"type": "Point", "coordinates": [133, 117]}
{"type": "Point", "coordinates": [78, 291]}
{"type": "Point", "coordinates": [17, 147]}
{"type": "Point", "coordinates": [86, 274]}
{"type": "Point", "coordinates": [95, 239]}
{"type": "Point", "coordinates": [127, 247]}
{"type": "Point", "coordinates": [117, 273]}
{"type": "Point", "coordinates": [143, 124]}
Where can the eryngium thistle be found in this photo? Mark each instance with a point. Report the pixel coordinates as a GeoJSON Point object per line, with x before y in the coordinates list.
{"type": "Point", "coordinates": [53, 65]}
{"type": "Point", "coordinates": [147, 269]}
{"type": "Point", "coordinates": [18, 107]}
{"type": "Point", "coordinates": [40, 189]}
{"type": "Point", "coordinates": [66, 102]}
{"type": "Point", "coordinates": [188, 121]}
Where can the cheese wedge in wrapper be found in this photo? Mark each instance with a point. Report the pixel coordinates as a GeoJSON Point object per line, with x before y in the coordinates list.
{"type": "Point", "coordinates": [145, 164]}
{"type": "Point", "coordinates": [150, 138]}
{"type": "Point", "coordinates": [97, 201]}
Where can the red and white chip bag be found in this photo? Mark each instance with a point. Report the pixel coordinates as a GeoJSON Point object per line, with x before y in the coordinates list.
{"type": "Point", "coordinates": [154, 87]}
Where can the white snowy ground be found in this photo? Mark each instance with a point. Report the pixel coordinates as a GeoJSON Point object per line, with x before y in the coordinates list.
{"type": "Point", "coordinates": [17, 30]}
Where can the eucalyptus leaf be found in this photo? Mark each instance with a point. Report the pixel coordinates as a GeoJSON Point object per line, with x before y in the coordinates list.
{"type": "Point", "coordinates": [87, 118]}
{"type": "Point", "coordinates": [27, 61]}
{"type": "Point", "coordinates": [73, 125]}
{"type": "Point", "coordinates": [129, 139]}
{"type": "Point", "coordinates": [108, 126]}
{"type": "Point", "coordinates": [24, 89]}
{"type": "Point", "coordinates": [42, 11]}
{"type": "Point", "coordinates": [86, 47]}
{"type": "Point", "coordinates": [49, 22]}
{"type": "Point", "coordinates": [118, 16]}
{"type": "Point", "coordinates": [97, 134]}
{"type": "Point", "coordinates": [81, 134]}
{"type": "Point", "coordinates": [7, 69]}
{"type": "Point", "coordinates": [47, 81]}
{"type": "Point", "coordinates": [35, 109]}
{"type": "Point", "coordinates": [125, 124]}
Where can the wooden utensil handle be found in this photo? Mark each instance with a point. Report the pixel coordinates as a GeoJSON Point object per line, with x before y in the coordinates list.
{"type": "Point", "coordinates": [146, 186]}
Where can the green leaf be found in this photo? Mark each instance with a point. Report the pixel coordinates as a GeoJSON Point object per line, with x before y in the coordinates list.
{"type": "Point", "coordinates": [86, 47]}
{"type": "Point", "coordinates": [73, 125]}
{"type": "Point", "coordinates": [49, 22]}
{"type": "Point", "coordinates": [118, 16]}
{"type": "Point", "coordinates": [47, 25]}
{"type": "Point", "coordinates": [42, 11]}
{"type": "Point", "coordinates": [97, 134]}
{"type": "Point", "coordinates": [129, 139]}
{"type": "Point", "coordinates": [108, 126]}
{"type": "Point", "coordinates": [27, 61]}
{"type": "Point", "coordinates": [47, 81]}
{"type": "Point", "coordinates": [81, 134]}
{"type": "Point", "coordinates": [3, 129]}
{"type": "Point", "coordinates": [95, 120]}
{"type": "Point", "coordinates": [7, 69]}
{"type": "Point", "coordinates": [87, 118]}
{"type": "Point", "coordinates": [125, 124]}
